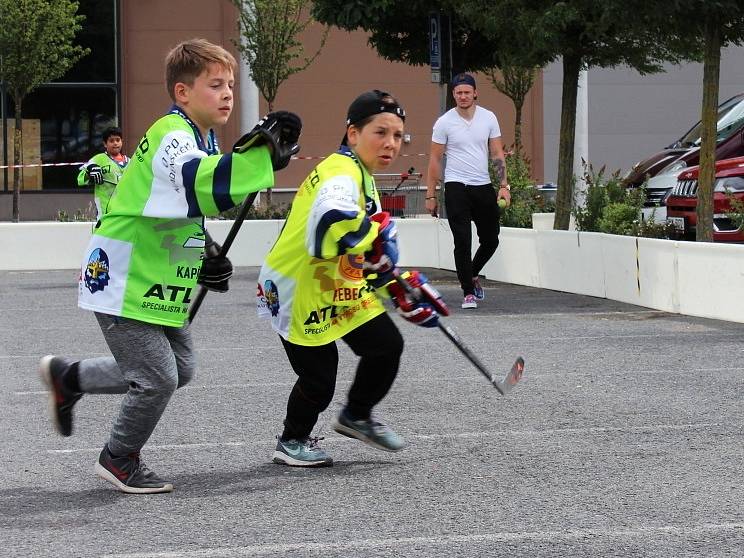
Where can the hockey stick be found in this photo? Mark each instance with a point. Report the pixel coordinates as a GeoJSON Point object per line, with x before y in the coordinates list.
{"type": "Point", "coordinates": [503, 386]}
{"type": "Point", "coordinates": [242, 214]}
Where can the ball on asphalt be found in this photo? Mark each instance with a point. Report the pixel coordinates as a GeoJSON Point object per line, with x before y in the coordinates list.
{"type": "Point", "coordinates": [502, 203]}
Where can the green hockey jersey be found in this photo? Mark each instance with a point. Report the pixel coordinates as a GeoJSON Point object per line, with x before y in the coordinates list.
{"type": "Point", "coordinates": [311, 285]}
{"type": "Point", "coordinates": [112, 171]}
{"type": "Point", "coordinates": [144, 257]}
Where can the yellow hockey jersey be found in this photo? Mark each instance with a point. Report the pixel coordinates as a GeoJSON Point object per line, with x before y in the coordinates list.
{"type": "Point", "coordinates": [311, 285]}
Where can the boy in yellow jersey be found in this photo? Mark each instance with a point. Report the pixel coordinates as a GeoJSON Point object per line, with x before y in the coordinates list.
{"type": "Point", "coordinates": [314, 288]}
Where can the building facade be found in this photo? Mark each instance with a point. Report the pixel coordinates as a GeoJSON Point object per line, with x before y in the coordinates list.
{"type": "Point", "coordinates": [121, 82]}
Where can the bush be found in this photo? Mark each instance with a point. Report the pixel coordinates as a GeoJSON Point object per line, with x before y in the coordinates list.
{"type": "Point", "coordinates": [618, 218]}
{"type": "Point", "coordinates": [270, 211]}
{"type": "Point", "coordinates": [600, 192]}
{"type": "Point", "coordinates": [525, 198]}
{"type": "Point", "coordinates": [87, 214]}
{"type": "Point", "coordinates": [612, 208]}
{"type": "Point", "coordinates": [736, 213]}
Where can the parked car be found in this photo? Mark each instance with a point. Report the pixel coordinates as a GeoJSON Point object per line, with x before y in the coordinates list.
{"type": "Point", "coordinates": [682, 202]}
{"type": "Point", "coordinates": [663, 168]}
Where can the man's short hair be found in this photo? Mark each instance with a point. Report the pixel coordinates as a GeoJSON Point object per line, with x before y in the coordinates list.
{"type": "Point", "coordinates": [111, 131]}
{"type": "Point", "coordinates": [463, 79]}
{"type": "Point", "coordinates": [190, 58]}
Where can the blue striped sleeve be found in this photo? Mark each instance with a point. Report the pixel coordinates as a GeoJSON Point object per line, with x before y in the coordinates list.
{"type": "Point", "coordinates": [328, 219]}
{"type": "Point", "coordinates": [351, 239]}
{"type": "Point", "coordinates": [188, 173]}
{"type": "Point", "coordinates": [221, 183]}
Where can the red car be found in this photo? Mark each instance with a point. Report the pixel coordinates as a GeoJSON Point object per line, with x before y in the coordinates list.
{"type": "Point", "coordinates": [682, 202]}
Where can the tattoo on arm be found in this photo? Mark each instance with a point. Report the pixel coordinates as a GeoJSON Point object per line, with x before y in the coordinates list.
{"type": "Point", "coordinates": [500, 170]}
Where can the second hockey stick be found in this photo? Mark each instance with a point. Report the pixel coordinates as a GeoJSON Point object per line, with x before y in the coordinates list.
{"type": "Point", "coordinates": [504, 385]}
{"type": "Point", "coordinates": [242, 214]}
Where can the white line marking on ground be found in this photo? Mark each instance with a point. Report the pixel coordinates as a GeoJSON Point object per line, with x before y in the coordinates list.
{"type": "Point", "coordinates": [684, 531]}
{"type": "Point", "coordinates": [461, 435]}
{"type": "Point", "coordinates": [474, 378]}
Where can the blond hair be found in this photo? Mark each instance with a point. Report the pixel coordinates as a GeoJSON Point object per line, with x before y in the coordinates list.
{"type": "Point", "coordinates": [187, 60]}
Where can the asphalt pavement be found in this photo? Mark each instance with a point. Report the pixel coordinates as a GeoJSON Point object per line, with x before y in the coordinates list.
{"type": "Point", "coordinates": [624, 438]}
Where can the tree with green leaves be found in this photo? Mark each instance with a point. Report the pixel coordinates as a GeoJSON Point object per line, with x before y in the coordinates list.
{"type": "Point", "coordinates": [36, 47]}
{"type": "Point", "coordinates": [692, 27]}
{"type": "Point", "coordinates": [269, 43]}
{"type": "Point", "coordinates": [515, 82]}
{"type": "Point", "coordinates": [583, 34]}
{"type": "Point", "coordinates": [399, 31]}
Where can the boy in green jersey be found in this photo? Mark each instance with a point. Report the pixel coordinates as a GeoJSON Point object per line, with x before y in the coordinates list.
{"type": "Point", "coordinates": [104, 170]}
{"type": "Point", "coordinates": [146, 255]}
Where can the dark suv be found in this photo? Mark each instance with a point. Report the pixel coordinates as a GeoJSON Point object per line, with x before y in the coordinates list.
{"type": "Point", "coordinates": [682, 202]}
{"type": "Point", "coordinates": [663, 167]}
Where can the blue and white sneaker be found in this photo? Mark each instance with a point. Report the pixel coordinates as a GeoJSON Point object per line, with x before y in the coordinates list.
{"type": "Point", "coordinates": [478, 291]}
{"type": "Point", "coordinates": [301, 453]}
{"type": "Point", "coordinates": [370, 432]}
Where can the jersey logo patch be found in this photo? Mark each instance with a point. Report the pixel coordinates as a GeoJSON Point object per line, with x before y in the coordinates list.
{"type": "Point", "coordinates": [271, 293]}
{"type": "Point", "coordinates": [97, 274]}
{"type": "Point", "coordinates": [351, 267]}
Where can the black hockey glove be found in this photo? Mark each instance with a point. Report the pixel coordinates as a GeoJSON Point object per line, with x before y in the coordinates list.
{"type": "Point", "coordinates": [216, 270]}
{"type": "Point", "coordinates": [95, 174]}
{"type": "Point", "coordinates": [280, 131]}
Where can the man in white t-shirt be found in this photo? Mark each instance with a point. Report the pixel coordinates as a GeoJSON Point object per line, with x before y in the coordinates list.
{"type": "Point", "coordinates": [470, 137]}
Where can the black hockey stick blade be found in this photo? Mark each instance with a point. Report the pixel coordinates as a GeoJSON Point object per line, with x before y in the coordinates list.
{"type": "Point", "coordinates": [502, 386]}
{"type": "Point", "coordinates": [242, 214]}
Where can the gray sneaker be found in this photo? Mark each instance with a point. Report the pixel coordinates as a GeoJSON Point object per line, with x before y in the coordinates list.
{"type": "Point", "coordinates": [129, 474]}
{"type": "Point", "coordinates": [301, 453]}
{"type": "Point", "coordinates": [370, 432]}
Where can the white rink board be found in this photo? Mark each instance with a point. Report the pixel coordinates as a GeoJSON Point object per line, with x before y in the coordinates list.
{"type": "Point", "coordinates": [697, 279]}
{"type": "Point", "coordinates": [711, 280]}
{"type": "Point", "coordinates": [571, 262]}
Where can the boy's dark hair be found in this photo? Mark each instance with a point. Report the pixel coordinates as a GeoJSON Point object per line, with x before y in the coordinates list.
{"type": "Point", "coordinates": [111, 131]}
{"type": "Point", "coordinates": [190, 58]}
{"type": "Point", "coordinates": [368, 105]}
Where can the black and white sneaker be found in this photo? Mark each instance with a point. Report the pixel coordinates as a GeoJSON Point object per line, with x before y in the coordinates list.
{"type": "Point", "coordinates": [129, 474]}
{"type": "Point", "coordinates": [61, 400]}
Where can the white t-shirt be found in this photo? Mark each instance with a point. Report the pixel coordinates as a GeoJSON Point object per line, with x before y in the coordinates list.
{"type": "Point", "coordinates": [466, 144]}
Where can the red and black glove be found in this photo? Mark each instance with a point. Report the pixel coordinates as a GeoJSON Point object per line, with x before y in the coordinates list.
{"type": "Point", "coordinates": [421, 303]}
{"type": "Point", "coordinates": [382, 259]}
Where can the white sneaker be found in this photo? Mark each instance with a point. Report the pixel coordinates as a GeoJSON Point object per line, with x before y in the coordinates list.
{"type": "Point", "coordinates": [469, 302]}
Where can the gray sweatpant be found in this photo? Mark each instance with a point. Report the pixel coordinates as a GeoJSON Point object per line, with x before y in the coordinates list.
{"type": "Point", "coordinates": [149, 362]}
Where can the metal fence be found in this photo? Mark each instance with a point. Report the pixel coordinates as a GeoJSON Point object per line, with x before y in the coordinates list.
{"type": "Point", "coordinates": [402, 194]}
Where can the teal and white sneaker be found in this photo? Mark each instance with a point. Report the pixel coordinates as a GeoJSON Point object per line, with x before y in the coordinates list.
{"type": "Point", "coordinates": [370, 432]}
{"type": "Point", "coordinates": [301, 453]}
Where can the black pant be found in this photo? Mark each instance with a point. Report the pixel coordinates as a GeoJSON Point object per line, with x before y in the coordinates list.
{"type": "Point", "coordinates": [378, 343]}
{"type": "Point", "coordinates": [478, 204]}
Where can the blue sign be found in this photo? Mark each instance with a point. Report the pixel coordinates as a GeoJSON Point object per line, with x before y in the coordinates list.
{"type": "Point", "coordinates": [435, 42]}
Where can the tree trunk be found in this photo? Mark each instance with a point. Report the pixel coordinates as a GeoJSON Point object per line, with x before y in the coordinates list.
{"type": "Point", "coordinates": [17, 152]}
{"type": "Point", "coordinates": [518, 129]}
{"type": "Point", "coordinates": [564, 195]}
{"type": "Point", "coordinates": [706, 177]}
{"type": "Point", "coordinates": [270, 103]}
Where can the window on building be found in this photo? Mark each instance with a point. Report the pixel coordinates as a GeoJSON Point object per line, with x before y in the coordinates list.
{"type": "Point", "coordinates": [63, 120]}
